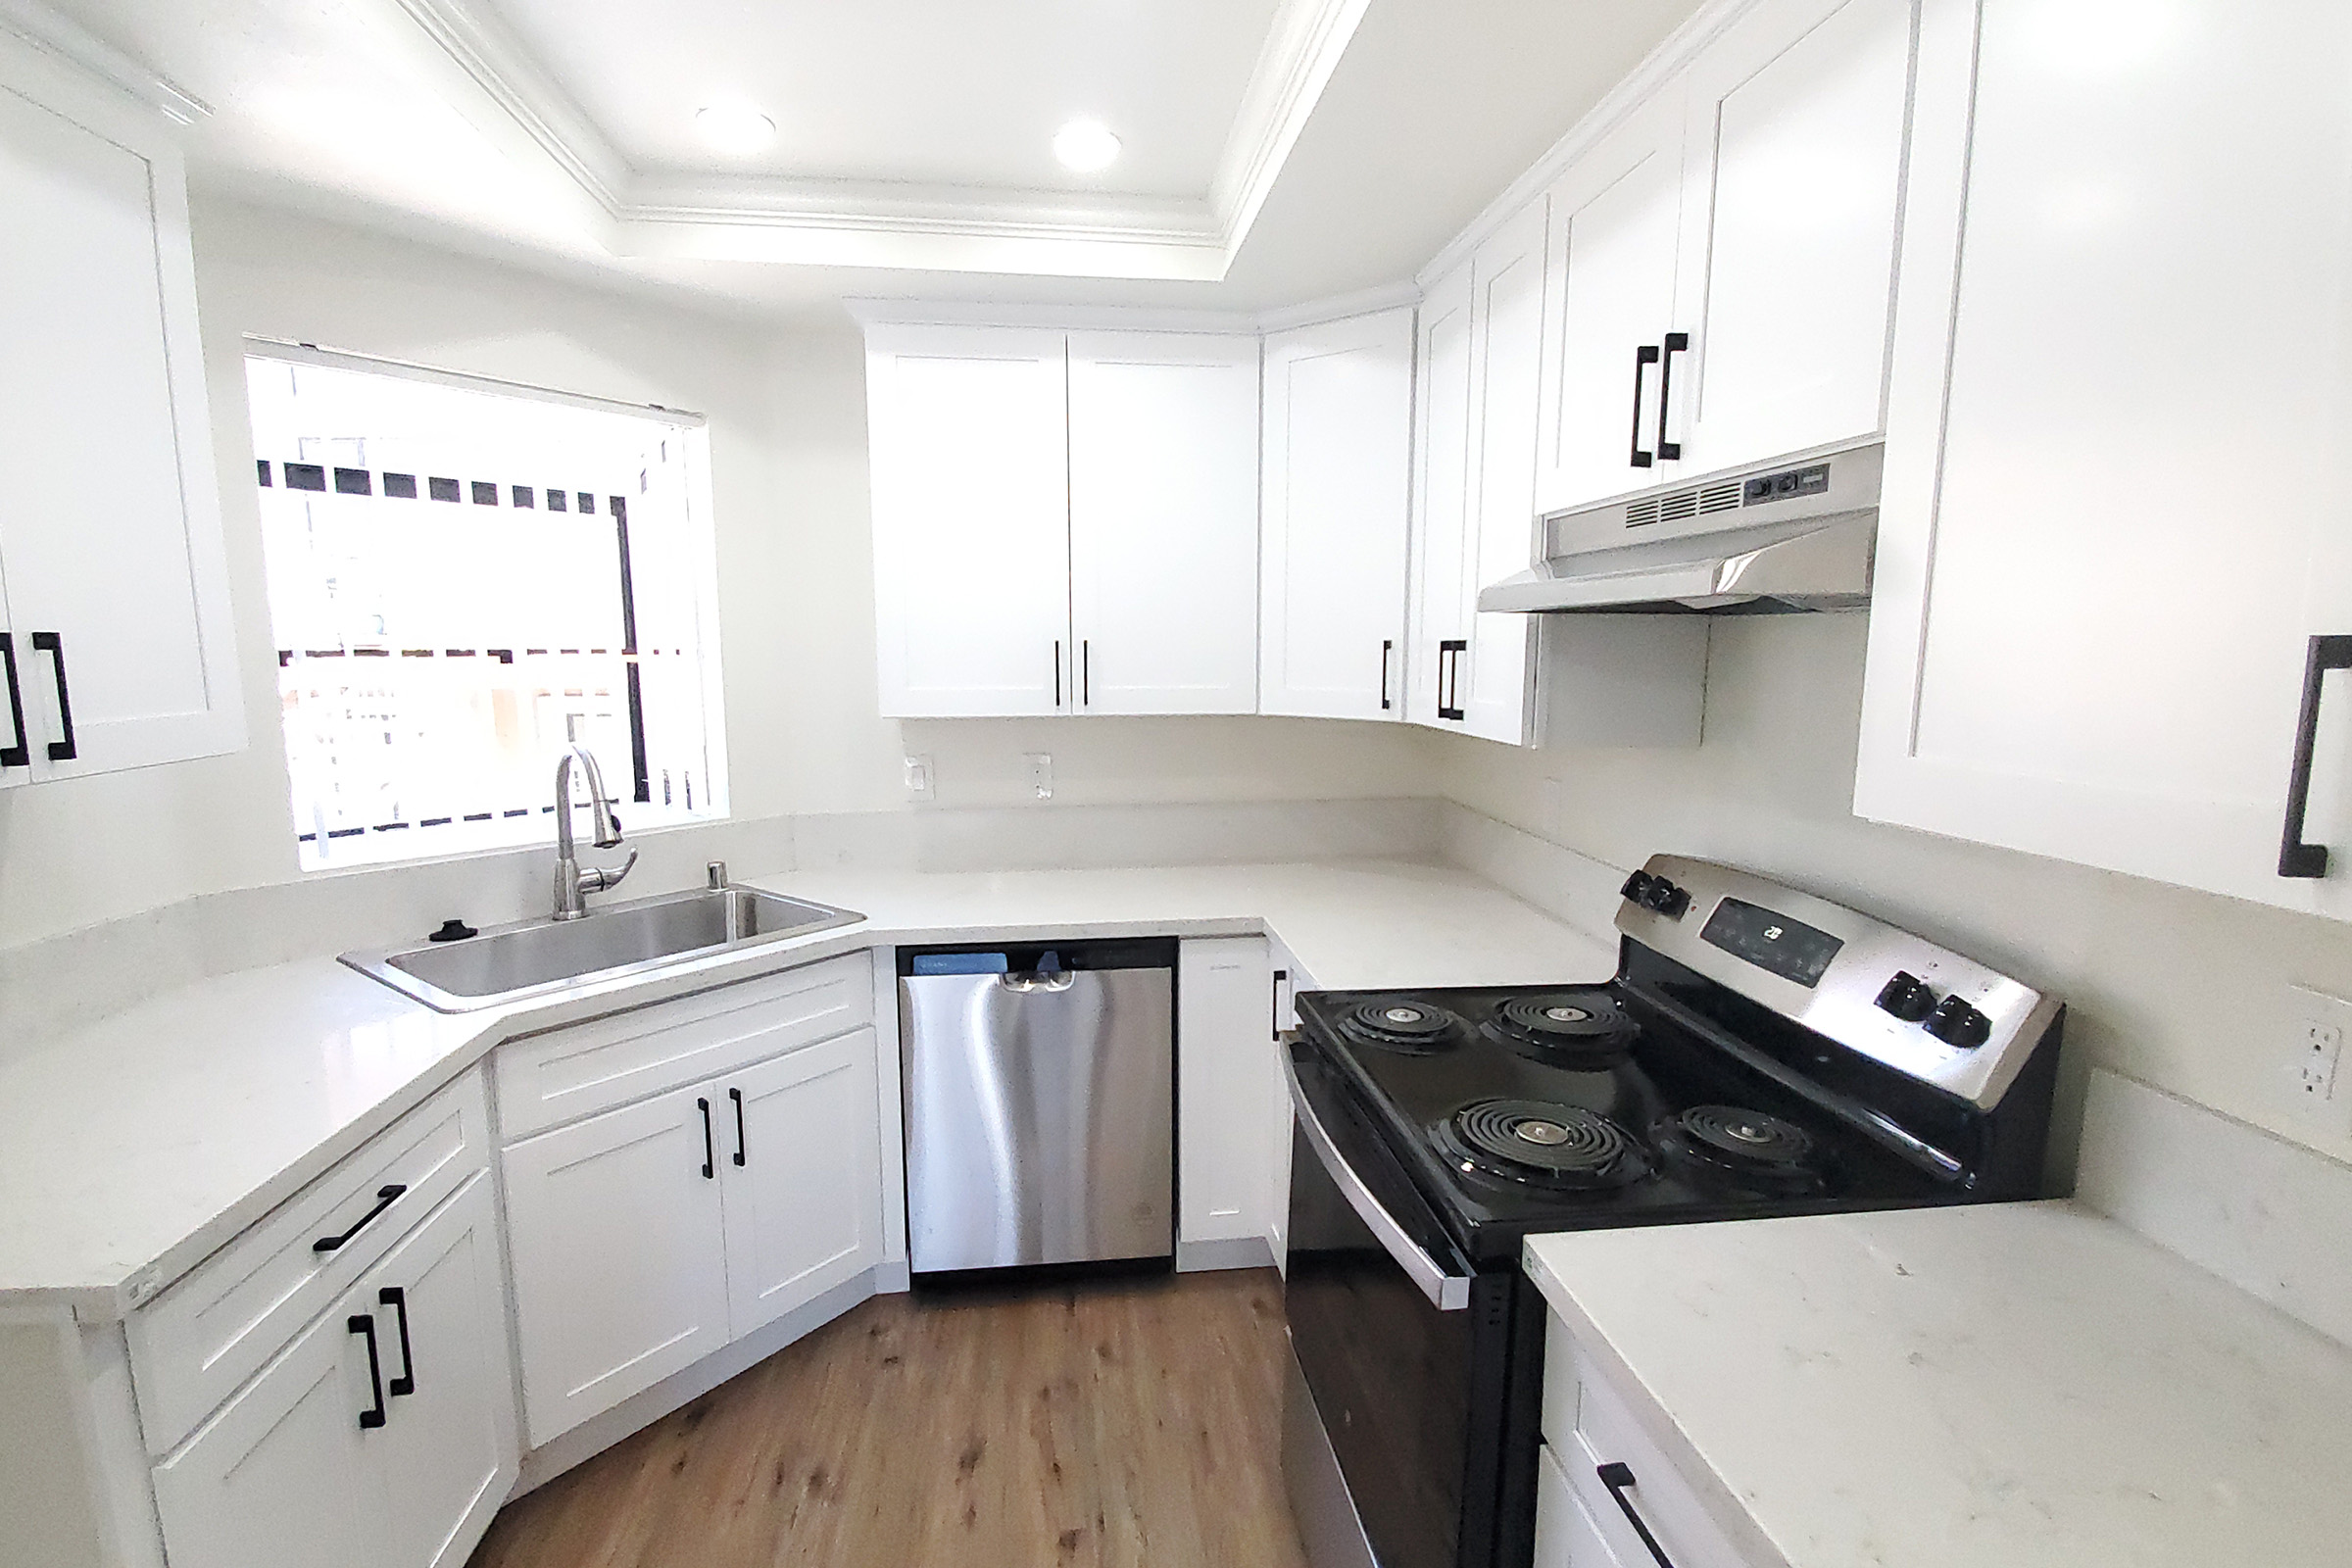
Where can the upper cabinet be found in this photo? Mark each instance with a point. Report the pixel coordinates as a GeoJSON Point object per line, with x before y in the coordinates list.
{"type": "Point", "coordinates": [1720, 266]}
{"type": "Point", "coordinates": [2093, 634]}
{"type": "Point", "coordinates": [1336, 493]}
{"type": "Point", "coordinates": [1164, 522]}
{"type": "Point", "coordinates": [1064, 523]}
{"type": "Point", "coordinates": [116, 643]}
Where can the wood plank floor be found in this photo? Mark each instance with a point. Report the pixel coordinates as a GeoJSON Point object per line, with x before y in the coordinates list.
{"type": "Point", "coordinates": [1114, 1423]}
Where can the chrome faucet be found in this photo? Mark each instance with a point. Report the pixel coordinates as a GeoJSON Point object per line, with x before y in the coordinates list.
{"type": "Point", "coordinates": [573, 885]}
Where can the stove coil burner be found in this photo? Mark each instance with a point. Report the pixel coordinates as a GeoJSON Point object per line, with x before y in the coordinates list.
{"type": "Point", "coordinates": [1544, 1145]}
{"type": "Point", "coordinates": [1567, 1028]}
{"type": "Point", "coordinates": [1414, 1028]}
{"type": "Point", "coordinates": [1748, 1146]}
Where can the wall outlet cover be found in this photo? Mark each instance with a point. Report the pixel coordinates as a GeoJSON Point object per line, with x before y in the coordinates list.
{"type": "Point", "coordinates": [921, 780]}
{"type": "Point", "coordinates": [2317, 1024]}
{"type": "Point", "coordinates": [1038, 769]}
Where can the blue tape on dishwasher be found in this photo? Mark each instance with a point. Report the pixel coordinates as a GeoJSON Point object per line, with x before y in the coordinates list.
{"type": "Point", "coordinates": [959, 963]}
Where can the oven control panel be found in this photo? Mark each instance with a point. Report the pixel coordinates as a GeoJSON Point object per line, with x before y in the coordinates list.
{"type": "Point", "coordinates": [1909, 1003]}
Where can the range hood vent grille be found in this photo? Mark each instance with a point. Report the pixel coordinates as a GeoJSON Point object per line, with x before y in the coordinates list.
{"type": "Point", "coordinates": [1681, 504]}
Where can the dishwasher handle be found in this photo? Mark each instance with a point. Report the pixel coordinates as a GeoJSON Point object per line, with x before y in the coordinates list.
{"type": "Point", "coordinates": [1030, 984]}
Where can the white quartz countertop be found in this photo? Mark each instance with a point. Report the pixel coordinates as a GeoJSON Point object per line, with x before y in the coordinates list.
{"type": "Point", "coordinates": [2016, 1385]}
{"type": "Point", "coordinates": [133, 1147]}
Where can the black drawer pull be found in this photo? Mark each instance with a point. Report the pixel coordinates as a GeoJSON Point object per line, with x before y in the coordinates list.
{"type": "Point", "coordinates": [1619, 1477]}
{"type": "Point", "coordinates": [385, 1196]}
{"type": "Point", "coordinates": [362, 1324]}
{"type": "Point", "coordinates": [18, 752]}
{"type": "Point", "coordinates": [1388, 649]}
{"type": "Point", "coordinates": [393, 1297]}
{"type": "Point", "coordinates": [2297, 859]}
{"type": "Point", "coordinates": [54, 645]}
{"type": "Point", "coordinates": [1644, 358]}
{"type": "Point", "coordinates": [1085, 672]}
{"type": "Point", "coordinates": [1450, 678]}
{"type": "Point", "coordinates": [1056, 672]}
{"type": "Point", "coordinates": [710, 1163]}
{"type": "Point", "coordinates": [1676, 343]}
{"type": "Point", "coordinates": [740, 1147]}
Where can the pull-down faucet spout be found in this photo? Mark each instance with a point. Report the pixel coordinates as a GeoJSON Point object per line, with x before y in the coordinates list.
{"type": "Point", "coordinates": [573, 884]}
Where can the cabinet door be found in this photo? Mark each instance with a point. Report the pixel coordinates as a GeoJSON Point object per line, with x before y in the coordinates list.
{"type": "Point", "coordinates": [1495, 686]}
{"type": "Point", "coordinates": [1565, 1535]}
{"type": "Point", "coordinates": [803, 1177]}
{"type": "Point", "coordinates": [968, 430]}
{"type": "Point", "coordinates": [1615, 218]}
{"type": "Point", "coordinates": [2088, 638]}
{"type": "Point", "coordinates": [1226, 1089]}
{"type": "Point", "coordinates": [1164, 522]}
{"type": "Point", "coordinates": [1792, 183]}
{"type": "Point", "coordinates": [448, 1453]}
{"type": "Point", "coordinates": [619, 1254]}
{"type": "Point", "coordinates": [117, 593]}
{"type": "Point", "coordinates": [1442, 500]}
{"type": "Point", "coordinates": [285, 1473]}
{"type": "Point", "coordinates": [1337, 498]}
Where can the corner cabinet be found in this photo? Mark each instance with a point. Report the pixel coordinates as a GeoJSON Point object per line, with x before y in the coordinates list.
{"type": "Point", "coordinates": [2093, 635]}
{"type": "Point", "coordinates": [115, 645]}
{"type": "Point", "coordinates": [1336, 494]}
{"type": "Point", "coordinates": [1063, 523]}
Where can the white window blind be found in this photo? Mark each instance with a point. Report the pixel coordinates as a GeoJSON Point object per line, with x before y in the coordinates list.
{"type": "Point", "coordinates": [463, 580]}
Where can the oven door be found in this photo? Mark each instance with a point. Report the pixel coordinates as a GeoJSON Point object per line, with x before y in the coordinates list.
{"type": "Point", "coordinates": [1402, 1350]}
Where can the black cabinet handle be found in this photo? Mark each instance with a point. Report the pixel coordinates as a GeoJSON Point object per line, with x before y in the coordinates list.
{"type": "Point", "coordinates": [1085, 672]}
{"type": "Point", "coordinates": [18, 752]}
{"type": "Point", "coordinates": [393, 1297]}
{"type": "Point", "coordinates": [54, 645]}
{"type": "Point", "coordinates": [362, 1324]}
{"type": "Point", "coordinates": [1056, 672]}
{"type": "Point", "coordinates": [385, 1196]}
{"type": "Point", "coordinates": [1450, 677]}
{"type": "Point", "coordinates": [1274, 1007]}
{"type": "Point", "coordinates": [740, 1147]}
{"type": "Point", "coordinates": [2297, 859]}
{"type": "Point", "coordinates": [710, 1165]}
{"type": "Point", "coordinates": [1644, 358]}
{"type": "Point", "coordinates": [1617, 1478]}
{"type": "Point", "coordinates": [1676, 343]}
{"type": "Point", "coordinates": [1388, 647]}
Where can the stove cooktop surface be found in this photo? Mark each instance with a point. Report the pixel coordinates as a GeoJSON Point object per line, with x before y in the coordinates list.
{"type": "Point", "coordinates": [1523, 1111]}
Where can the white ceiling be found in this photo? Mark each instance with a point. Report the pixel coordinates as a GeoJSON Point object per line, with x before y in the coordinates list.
{"type": "Point", "coordinates": [1276, 151]}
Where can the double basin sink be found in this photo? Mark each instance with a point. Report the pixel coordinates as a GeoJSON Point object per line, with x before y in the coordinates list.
{"type": "Point", "coordinates": [545, 957]}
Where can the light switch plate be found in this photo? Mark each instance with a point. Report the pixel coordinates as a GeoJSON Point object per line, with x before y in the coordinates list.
{"type": "Point", "coordinates": [921, 781]}
{"type": "Point", "coordinates": [1039, 770]}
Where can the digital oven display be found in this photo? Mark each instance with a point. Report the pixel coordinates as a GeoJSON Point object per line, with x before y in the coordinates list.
{"type": "Point", "coordinates": [1770, 942]}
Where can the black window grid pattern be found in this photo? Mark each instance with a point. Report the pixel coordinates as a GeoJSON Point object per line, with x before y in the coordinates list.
{"type": "Point", "coordinates": [587, 674]}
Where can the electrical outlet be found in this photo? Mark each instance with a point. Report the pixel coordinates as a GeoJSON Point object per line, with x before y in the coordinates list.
{"type": "Point", "coordinates": [2314, 1055]}
{"type": "Point", "coordinates": [919, 777]}
{"type": "Point", "coordinates": [1040, 774]}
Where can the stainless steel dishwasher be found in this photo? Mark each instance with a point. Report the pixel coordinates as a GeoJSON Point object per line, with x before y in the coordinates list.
{"type": "Point", "coordinates": [1039, 1095]}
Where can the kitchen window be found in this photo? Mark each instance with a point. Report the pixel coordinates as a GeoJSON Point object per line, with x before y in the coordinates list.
{"type": "Point", "coordinates": [467, 576]}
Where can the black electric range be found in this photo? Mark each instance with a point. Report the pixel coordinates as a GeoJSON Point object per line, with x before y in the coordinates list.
{"type": "Point", "coordinates": [1759, 1053]}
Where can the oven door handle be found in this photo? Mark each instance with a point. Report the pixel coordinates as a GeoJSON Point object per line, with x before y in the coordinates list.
{"type": "Point", "coordinates": [1447, 1292]}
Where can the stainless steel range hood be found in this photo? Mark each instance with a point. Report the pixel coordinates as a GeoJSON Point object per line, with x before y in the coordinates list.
{"type": "Point", "coordinates": [1788, 538]}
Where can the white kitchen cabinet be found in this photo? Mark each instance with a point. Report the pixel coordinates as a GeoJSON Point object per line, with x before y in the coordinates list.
{"type": "Point", "coordinates": [115, 642]}
{"type": "Point", "coordinates": [2091, 619]}
{"type": "Point", "coordinates": [618, 1243]}
{"type": "Point", "coordinates": [1442, 517]}
{"type": "Point", "coordinates": [1336, 492]}
{"type": "Point", "coordinates": [1792, 196]}
{"type": "Point", "coordinates": [1722, 260]}
{"type": "Point", "coordinates": [1227, 1087]}
{"type": "Point", "coordinates": [1566, 1534]}
{"type": "Point", "coordinates": [968, 431]}
{"type": "Point", "coordinates": [802, 1178]}
{"type": "Point", "coordinates": [383, 1437]}
{"type": "Point", "coordinates": [1164, 522]}
{"type": "Point", "coordinates": [1616, 221]}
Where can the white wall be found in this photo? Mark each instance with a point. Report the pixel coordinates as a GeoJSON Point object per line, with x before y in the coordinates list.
{"type": "Point", "coordinates": [788, 469]}
{"type": "Point", "coordinates": [2183, 990]}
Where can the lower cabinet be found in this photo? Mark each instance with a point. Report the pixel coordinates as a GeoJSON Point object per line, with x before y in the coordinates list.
{"type": "Point", "coordinates": [1226, 1078]}
{"type": "Point", "coordinates": [1566, 1535]}
{"type": "Point", "coordinates": [646, 1236]}
{"type": "Point", "coordinates": [382, 1437]}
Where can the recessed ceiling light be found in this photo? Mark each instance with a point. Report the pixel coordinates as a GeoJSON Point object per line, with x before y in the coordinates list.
{"type": "Point", "coordinates": [735, 127]}
{"type": "Point", "coordinates": [1084, 145]}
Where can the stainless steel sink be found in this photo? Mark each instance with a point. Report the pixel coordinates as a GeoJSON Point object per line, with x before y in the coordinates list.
{"type": "Point", "coordinates": [539, 957]}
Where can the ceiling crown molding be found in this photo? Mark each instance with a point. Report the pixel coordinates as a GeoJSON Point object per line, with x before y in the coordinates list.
{"type": "Point", "coordinates": [47, 30]}
{"type": "Point", "coordinates": [891, 224]}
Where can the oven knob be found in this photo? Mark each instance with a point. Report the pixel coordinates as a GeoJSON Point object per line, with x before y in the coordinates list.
{"type": "Point", "coordinates": [1907, 997]}
{"type": "Point", "coordinates": [1636, 888]}
{"type": "Point", "coordinates": [1956, 1023]}
{"type": "Point", "coordinates": [1668, 900]}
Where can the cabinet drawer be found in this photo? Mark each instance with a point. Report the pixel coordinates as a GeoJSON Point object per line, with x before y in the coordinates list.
{"type": "Point", "coordinates": [212, 1329]}
{"type": "Point", "coordinates": [1566, 1534]}
{"type": "Point", "coordinates": [1588, 1423]}
{"type": "Point", "coordinates": [544, 1080]}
